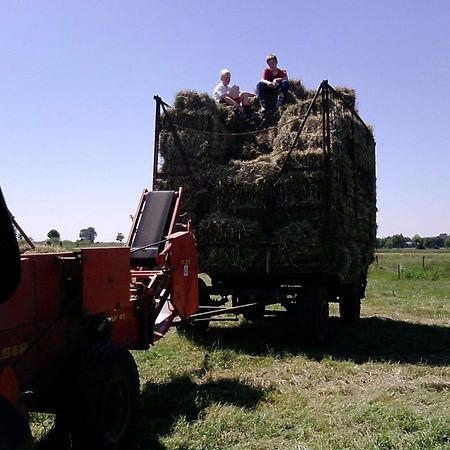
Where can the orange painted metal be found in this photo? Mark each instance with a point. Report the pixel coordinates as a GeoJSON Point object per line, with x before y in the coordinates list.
{"type": "Point", "coordinates": [183, 264]}
{"type": "Point", "coordinates": [105, 279]}
{"type": "Point", "coordinates": [18, 327]}
{"type": "Point", "coordinates": [10, 389]}
{"type": "Point", "coordinates": [106, 282]}
{"type": "Point", "coordinates": [48, 294]}
{"type": "Point", "coordinates": [60, 292]}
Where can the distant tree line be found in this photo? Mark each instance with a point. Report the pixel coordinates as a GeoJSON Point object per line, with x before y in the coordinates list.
{"type": "Point", "coordinates": [86, 234]}
{"type": "Point", "coordinates": [400, 241]}
{"type": "Point", "coordinates": [395, 241]}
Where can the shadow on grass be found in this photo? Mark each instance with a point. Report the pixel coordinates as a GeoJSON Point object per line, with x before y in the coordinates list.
{"type": "Point", "coordinates": [162, 404]}
{"type": "Point", "coordinates": [371, 339]}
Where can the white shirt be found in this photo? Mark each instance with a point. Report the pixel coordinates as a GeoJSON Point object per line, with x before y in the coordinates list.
{"type": "Point", "coordinates": [221, 91]}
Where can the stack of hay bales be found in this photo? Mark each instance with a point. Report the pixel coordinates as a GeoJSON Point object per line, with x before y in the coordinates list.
{"type": "Point", "coordinates": [249, 215]}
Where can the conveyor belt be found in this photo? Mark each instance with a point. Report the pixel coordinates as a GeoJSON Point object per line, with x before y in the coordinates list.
{"type": "Point", "coordinates": [152, 227]}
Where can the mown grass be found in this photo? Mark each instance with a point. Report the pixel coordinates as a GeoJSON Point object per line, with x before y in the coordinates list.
{"type": "Point", "coordinates": [383, 383]}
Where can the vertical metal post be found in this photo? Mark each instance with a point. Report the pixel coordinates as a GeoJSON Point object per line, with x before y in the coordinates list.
{"type": "Point", "coordinates": [156, 142]}
{"type": "Point", "coordinates": [326, 121]}
{"type": "Point", "coordinates": [326, 155]}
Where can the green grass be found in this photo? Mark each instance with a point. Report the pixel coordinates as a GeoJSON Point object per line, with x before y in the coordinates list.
{"type": "Point", "coordinates": [383, 383]}
{"type": "Point", "coordinates": [410, 264]}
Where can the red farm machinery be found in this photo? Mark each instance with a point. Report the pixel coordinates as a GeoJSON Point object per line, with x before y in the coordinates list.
{"type": "Point", "coordinates": [68, 321]}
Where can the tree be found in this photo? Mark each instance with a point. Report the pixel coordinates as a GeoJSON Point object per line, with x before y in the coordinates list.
{"type": "Point", "coordinates": [418, 241]}
{"type": "Point", "coordinates": [398, 241]}
{"type": "Point", "coordinates": [439, 241]}
{"type": "Point", "coordinates": [388, 242]}
{"type": "Point", "coordinates": [53, 234]}
{"type": "Point", "coordinates": [88, 234]}
{"type": "Point", "coordinates": [428, 242]}
{"type": "Point", "coordinates": [120, 237]}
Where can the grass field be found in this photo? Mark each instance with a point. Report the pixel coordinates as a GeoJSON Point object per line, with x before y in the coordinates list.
{"type": "Point", "coordinates": [383, 383]}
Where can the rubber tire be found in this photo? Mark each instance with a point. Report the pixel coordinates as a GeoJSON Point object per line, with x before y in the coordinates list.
{"type": "Point", "coordinates": [255, 313]}
{"type": "Point", "coordinates": [104, 394]}
{"type": "Point", "coordinates": [350, 303]}
{"type": "Point", "coordinates": [15, 432]}
{"type": "Point", "coordinates": [313, 314]}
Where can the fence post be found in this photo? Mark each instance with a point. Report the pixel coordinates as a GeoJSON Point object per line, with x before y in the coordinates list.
{"type": "Point", "coordinates": [398, 271]}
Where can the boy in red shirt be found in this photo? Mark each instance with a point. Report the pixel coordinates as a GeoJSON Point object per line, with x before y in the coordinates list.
{"type": "Point", "coordinates": [274, 82]}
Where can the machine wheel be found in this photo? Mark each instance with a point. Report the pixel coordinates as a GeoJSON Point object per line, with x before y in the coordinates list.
{"type": "Point", "coordinates": [103, 399]}
{"type": "Point", "coordinates": [313, 313]}
{"type": "Point", "coordinates": [15, 430]}
{"type": "Point", "coordinates": [350, 303]}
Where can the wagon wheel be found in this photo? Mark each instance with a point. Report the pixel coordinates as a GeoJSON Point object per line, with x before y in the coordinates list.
{"type": "Point", "coordinates": [204, 299]}
{"type": "Point", "coordinates": [350, 303]}
{"type": "Point", "coordinates": [103, 397]}
{"type": "Point", "coordinates": [256, 312]}
{"type": "Point", "coordinates": [313, 313]}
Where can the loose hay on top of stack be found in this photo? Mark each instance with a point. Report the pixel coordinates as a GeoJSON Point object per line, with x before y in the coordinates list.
{"type": "Point", "coordinates": [244, 208]}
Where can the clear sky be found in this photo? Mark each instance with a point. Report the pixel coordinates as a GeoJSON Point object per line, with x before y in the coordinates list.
{"type": "Point", "coordinates": [77, 80]}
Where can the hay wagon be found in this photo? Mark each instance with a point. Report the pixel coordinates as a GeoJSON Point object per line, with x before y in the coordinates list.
{"type": "Point", "coordinates": [283, 206]}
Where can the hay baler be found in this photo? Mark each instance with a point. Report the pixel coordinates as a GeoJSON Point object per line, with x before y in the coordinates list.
{"type": "Point", "coordinates": [66, 331]}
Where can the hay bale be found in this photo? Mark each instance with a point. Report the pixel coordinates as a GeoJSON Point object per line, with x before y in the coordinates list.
{"type": "Point", "coordinates": [244, 207]}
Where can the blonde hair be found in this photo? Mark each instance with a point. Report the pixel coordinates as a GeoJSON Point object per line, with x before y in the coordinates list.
{"type": "Point", "coordinates": [224, 72]}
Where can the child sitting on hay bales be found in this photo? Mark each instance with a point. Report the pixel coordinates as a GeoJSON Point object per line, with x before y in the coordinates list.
{"type": "Point", "coordinates": [274, 84]}
{"type": "Point", "coordinates": [231, 95]}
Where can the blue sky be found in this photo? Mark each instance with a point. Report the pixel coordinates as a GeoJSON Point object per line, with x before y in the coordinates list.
{"type": "Point", "coordinates": [77, 80]}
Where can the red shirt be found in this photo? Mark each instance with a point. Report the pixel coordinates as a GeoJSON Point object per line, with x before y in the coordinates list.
{"type": "Point", "coordinates": [269, 76]}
